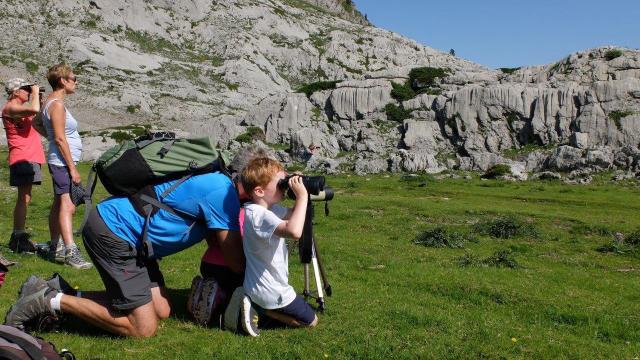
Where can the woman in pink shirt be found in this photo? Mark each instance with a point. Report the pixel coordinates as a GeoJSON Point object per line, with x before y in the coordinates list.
{"type": "Point", "coordinates": [25, 154]}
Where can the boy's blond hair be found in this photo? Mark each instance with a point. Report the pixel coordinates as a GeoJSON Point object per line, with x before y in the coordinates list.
{"type": "Point", "coordinates": [259, 172]}
{"type": "Point", "coordinates": [57, 73]}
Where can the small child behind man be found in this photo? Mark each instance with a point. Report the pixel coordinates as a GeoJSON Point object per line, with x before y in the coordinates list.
{"type": "Point", "coordinates": [266, 224]}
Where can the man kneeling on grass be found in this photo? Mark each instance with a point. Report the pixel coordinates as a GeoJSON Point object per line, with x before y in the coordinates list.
{"type": "Point", "coordinates": [266, 283]}
{"type": "Point", "coordinates": [135, 299]}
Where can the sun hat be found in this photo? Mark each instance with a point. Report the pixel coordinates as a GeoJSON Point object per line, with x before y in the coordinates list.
{"type": "Point", "coordinates": [15, 84]}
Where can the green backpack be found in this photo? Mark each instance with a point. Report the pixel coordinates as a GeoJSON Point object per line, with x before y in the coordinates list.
{"type": "Point", "coordinates": [133, 167]}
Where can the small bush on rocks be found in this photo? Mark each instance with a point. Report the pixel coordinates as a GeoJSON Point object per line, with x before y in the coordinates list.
{"type": "Point", "coordinates": [309, 89]}
{"type": "Point", "coordinates": [396, 112]}
{"type": "Point", "coordinates": [402, 92]}
{"type": "Point", "coordinates": [497, 170]}
{"type": "Point", "coordinates": [426, 76]}
{"type": "Point", "coordinates": [252, 134]}
{"type": "Point", "coordinates": [612, 54]}
{"type": "Point", "coordinates": [506, 228]}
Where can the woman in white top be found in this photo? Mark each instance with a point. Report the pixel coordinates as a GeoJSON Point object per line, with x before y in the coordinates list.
{"type": "Point", "coordinates": [65, 149]}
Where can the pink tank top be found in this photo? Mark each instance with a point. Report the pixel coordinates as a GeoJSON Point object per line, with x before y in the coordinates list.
{"type": "Point", "coordinates": [23, 140]}
{"type": "Point", "coordinates": [213, 255]}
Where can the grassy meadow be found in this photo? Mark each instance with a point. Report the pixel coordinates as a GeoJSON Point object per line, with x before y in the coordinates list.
{"type": "Point", "coordinates": [547, 293]}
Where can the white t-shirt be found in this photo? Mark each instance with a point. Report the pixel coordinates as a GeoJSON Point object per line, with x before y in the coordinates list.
{"type": "Point", "coordinates": [266, 277]}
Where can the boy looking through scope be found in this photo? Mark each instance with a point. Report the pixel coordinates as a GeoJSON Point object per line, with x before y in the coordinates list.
{"type": "Point", "coordinates": [266, 224]}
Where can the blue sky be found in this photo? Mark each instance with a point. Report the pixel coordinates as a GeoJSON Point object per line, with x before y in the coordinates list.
{"type": "Point", "coordinates": [510, 33]}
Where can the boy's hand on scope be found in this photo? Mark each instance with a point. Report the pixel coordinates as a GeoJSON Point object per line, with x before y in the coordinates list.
{"type": "Point", "coordinates": [296, 185]}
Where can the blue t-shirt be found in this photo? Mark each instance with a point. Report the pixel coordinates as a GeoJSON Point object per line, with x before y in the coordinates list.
{"type": "Point", "coordinates": [210, 197]}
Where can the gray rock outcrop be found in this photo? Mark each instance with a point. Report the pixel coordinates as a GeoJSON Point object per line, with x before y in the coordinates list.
{"type": "Point", "coordinates": [219, 67]}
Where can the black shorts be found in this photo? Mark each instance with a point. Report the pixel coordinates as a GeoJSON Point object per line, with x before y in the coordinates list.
{"type": "Point", "coordinates": [127, 280]}
{"type": "Point", "coordinates": [24, 173]}
{"type": "Point", "coordinates": [61, 179]}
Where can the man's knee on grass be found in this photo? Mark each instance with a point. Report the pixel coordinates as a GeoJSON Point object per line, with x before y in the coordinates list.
{"type": "Point", "coordinates": [144, 322]}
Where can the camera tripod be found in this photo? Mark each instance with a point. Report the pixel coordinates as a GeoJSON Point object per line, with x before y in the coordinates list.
{"type": "Point", "coordinates": [309, 255]}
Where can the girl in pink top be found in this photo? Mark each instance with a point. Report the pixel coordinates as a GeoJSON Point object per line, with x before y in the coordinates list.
{"type": "Point", "coordinates": [25, 154]}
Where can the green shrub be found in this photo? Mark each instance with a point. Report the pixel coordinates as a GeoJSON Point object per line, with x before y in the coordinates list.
{"type": "Point", "coordinates": [396, 112]}
{"type": "Point", "coordinates": [612, 54]}
{"type": "Point", "coordinates": [630, 244]}
{"type": "Point", "coordinates": [252, 134]}
{"type": "Point", "coordinates": [509, 70]}
{"type": "Point", "coordinates": [120, 136]}
{"type": "Point", "coordinates": [414, 180]}
{"type": "Point", "coordinates": [499, 259]}
{"type": "Point", "coordinates": [402, 92]}
{"type": "Point", "coordinates": [309, 89]}
{"type": "Point", "coordinates": [440, 237]}
{"type": "Point", "coordinates": [132, 109]}
{"type": "Point", "coordinates": [617, 115]}
{"type": "Point", "coordinates": [496, 171]}
{"type": "Point", "coordinates": [425, 76]}
{"type": "Point", "coordinates": [514, 153]}
{"type": "Point", "coordinates": [506, 228]}
{"type": "Point", "coordinates": [31, 67]}
{"type": "Point", "coordinates": [633, 239]}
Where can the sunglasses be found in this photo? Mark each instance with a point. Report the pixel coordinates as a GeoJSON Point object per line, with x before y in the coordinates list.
{"type": "Point", "coordinates": [73, 78]}
{"type": "Point", "coordinates": [26, 88]}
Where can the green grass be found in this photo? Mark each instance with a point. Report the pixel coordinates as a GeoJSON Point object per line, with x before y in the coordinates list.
{"type": "Point", "coordinates": [393, 298]}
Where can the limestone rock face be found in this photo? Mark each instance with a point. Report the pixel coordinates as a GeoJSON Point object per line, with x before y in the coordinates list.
{"type": "Point", "coordinates": [216, 68]}
{"type": "Point", "coordinates": [357, 100]}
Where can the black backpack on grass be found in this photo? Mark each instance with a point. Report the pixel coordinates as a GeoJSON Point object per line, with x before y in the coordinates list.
{"type": "Point", "coordinates": [133, 167]}
{"type": "Point", "coordinates": [18, 345]}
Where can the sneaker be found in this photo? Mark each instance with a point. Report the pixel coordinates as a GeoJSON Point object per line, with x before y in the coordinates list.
{"type": "Point", "coordinates": [6, 262]}
{"type": "Point", "coordinates": [232, 313]}
{"type": "Point", "coordinates": [57, 253]}
{"type": "Point", "coordinates": [57, 282]}
{"type": "Point", "coordinates": [22, 243]}
{"type": "Point", "coordinates": [249, 317]}
{"type": "Point", "coordinates": [75, 259]}
{"type": "Point", "coordinates": [34, 302]}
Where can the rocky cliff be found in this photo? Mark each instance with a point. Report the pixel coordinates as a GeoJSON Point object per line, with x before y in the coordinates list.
{"type": "Point", "coordinates": [294, 72]}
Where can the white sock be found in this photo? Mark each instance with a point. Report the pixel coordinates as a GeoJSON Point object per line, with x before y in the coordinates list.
{"type": "Point", "coordinates": [55, 302]}
{"type": "Point", "coordinates": [79, 294]}
{"type": "Point", "coordinates": [19, 232]}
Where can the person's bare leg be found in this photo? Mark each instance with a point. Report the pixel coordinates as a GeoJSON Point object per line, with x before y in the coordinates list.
{"type": "Point", "coordinates": [139, 322]}
{"type": "Point", "coordinates": [20, 210]}
{"type": "Point", "coordinates": [54, 227]}
{"type": "Point", "coordinates": [65, 219]}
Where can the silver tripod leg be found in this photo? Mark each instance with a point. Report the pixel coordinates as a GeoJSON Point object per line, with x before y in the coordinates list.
{"type": "Point", "coordinates": [318, 280]}
{"type": "Point", "coordinates": [316, 273]}
{"type": "Point", "coordinates": [307, 291]}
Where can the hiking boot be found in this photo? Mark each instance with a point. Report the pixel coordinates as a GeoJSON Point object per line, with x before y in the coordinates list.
{"type": "Point", "coordinates": [249, 317]}
{"type": "Point", "coordinates": [75, 259]}
{"type": "Point", "coordinates": [232, 313]}
{"type": "Point", "coordinates": [57, 282]}
{"type": "Point", "coordinates": [33, 303]}
{"type": "Point", "coordinates": [57, 252]}
{"type": "Point", "coordinates": [31, 285]}
{"type": "Point", "coordinates": [22, 243]}
{"type": "Point", "coordinates": [6, 262]}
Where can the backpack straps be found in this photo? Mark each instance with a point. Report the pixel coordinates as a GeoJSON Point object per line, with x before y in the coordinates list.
{"type": "Point", "coordinates": [91, 186]}
{"type": "Point", "coordinates": [146, 250]}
